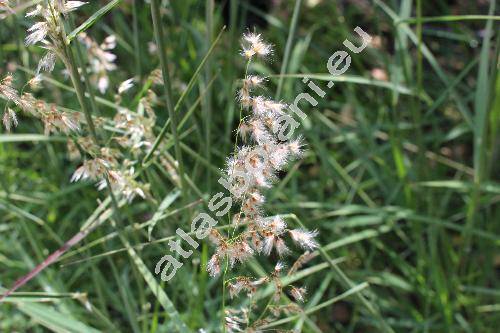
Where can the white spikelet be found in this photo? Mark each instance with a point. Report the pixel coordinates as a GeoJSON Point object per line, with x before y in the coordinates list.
{"type": "Point", "coordinates": [38, 32]}
{"type": "Point", "coordinates": [125, 85]}
{"type": "Point", "coordinates": [304, 238]}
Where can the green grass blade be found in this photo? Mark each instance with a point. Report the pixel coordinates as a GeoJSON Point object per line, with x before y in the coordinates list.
{"type": "Point", "coordinates": [156, 289]}
{"type": "Point", "coordinates": [182, 97]}
{"type": "Point", "coordinates": [54, 320]}
{"type": "Point", "coordinates": [4, 138]}
{"type": "Point", "coordinates": [91, 20]}
{"type": "Point", "coordinates": [288, 47]}
{"type": "Point", "coordinates": [352, 291]}
{"type": "Point", "coordinates": [448, 18]}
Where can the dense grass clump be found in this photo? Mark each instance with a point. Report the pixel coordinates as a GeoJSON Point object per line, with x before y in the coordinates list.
{"type": "Point", "coordinates": [126, 122]}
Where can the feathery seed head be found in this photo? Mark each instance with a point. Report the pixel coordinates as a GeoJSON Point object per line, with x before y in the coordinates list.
{"type": "Point", "coordinates": [279, 267]}
{"type": "Point", "coordinates": [304, 238]}
{"type": "Point", "coordinates": [101, 59]}
{"type": "Point", "coordinates": [123, 184]}
{"type": "Point", "coordinates": [295, 146]}
{"type": "Point", "coordinates": [38, 32]}
{"type": "Point", "coordinates": [35, 81]}
{"type": "Point", "coordinates": [277, 225]}
{"type": "Point", "coordinates": [213, 266]}
{"type": "Point", "coordinates": [239, 251]}
{"type": "Point", "coordinates": [281, 247]}
{"type": "Point", "coordinates": [252, 81]}
{"type": "Point", "coordinates": [252, 38]}
{"type": "Point", "coordinates": [38, 10]}
{"type": "Point", "coordinates": [279, 156]}
{"type": "Point", "coordinates": [234, 323]}
{"type": "Point", "coordinates": [9, 118]}
{"type": "Point", "coordinates": [90, 169]}
{"type": "Point", "coordinates": [268, 244]}
{"type": "Point", "coordinates": [258, 130]}
{"type": "Point", "coordinates": [298, 293]}
{"type": "Point", "coordinates": [215, 237]}
{"type": "Point", "coordinates": [7, 91]}
{"type": "Point", "coordinates": [243, 130]}
{"type": "Point", "coordinates": [276, 108]}
{"type": "Point", "coordinates": [254, 45]}
{"type": "Point", "coordinates": [47, 62]}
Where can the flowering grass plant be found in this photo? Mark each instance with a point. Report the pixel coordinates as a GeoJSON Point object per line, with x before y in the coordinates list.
{"type": "Point", "coordinates": [165, 168]}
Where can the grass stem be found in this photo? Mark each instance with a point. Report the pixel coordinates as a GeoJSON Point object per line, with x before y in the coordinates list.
{"type": "Point", "coordinates": [162, 53]}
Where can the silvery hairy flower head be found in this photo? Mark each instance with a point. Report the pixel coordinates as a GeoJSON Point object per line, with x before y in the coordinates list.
{"type": "Point", "coordinates": [253, 45]}
{"type": "Point", "coordinates": [304, 238]}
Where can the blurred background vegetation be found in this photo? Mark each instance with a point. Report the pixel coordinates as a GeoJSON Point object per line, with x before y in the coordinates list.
{"type": "Point", "coordinates": [400, 176]}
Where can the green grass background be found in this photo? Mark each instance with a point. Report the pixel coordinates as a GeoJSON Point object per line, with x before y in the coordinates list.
{"type": "Point", "coordinates": [401, 177]}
